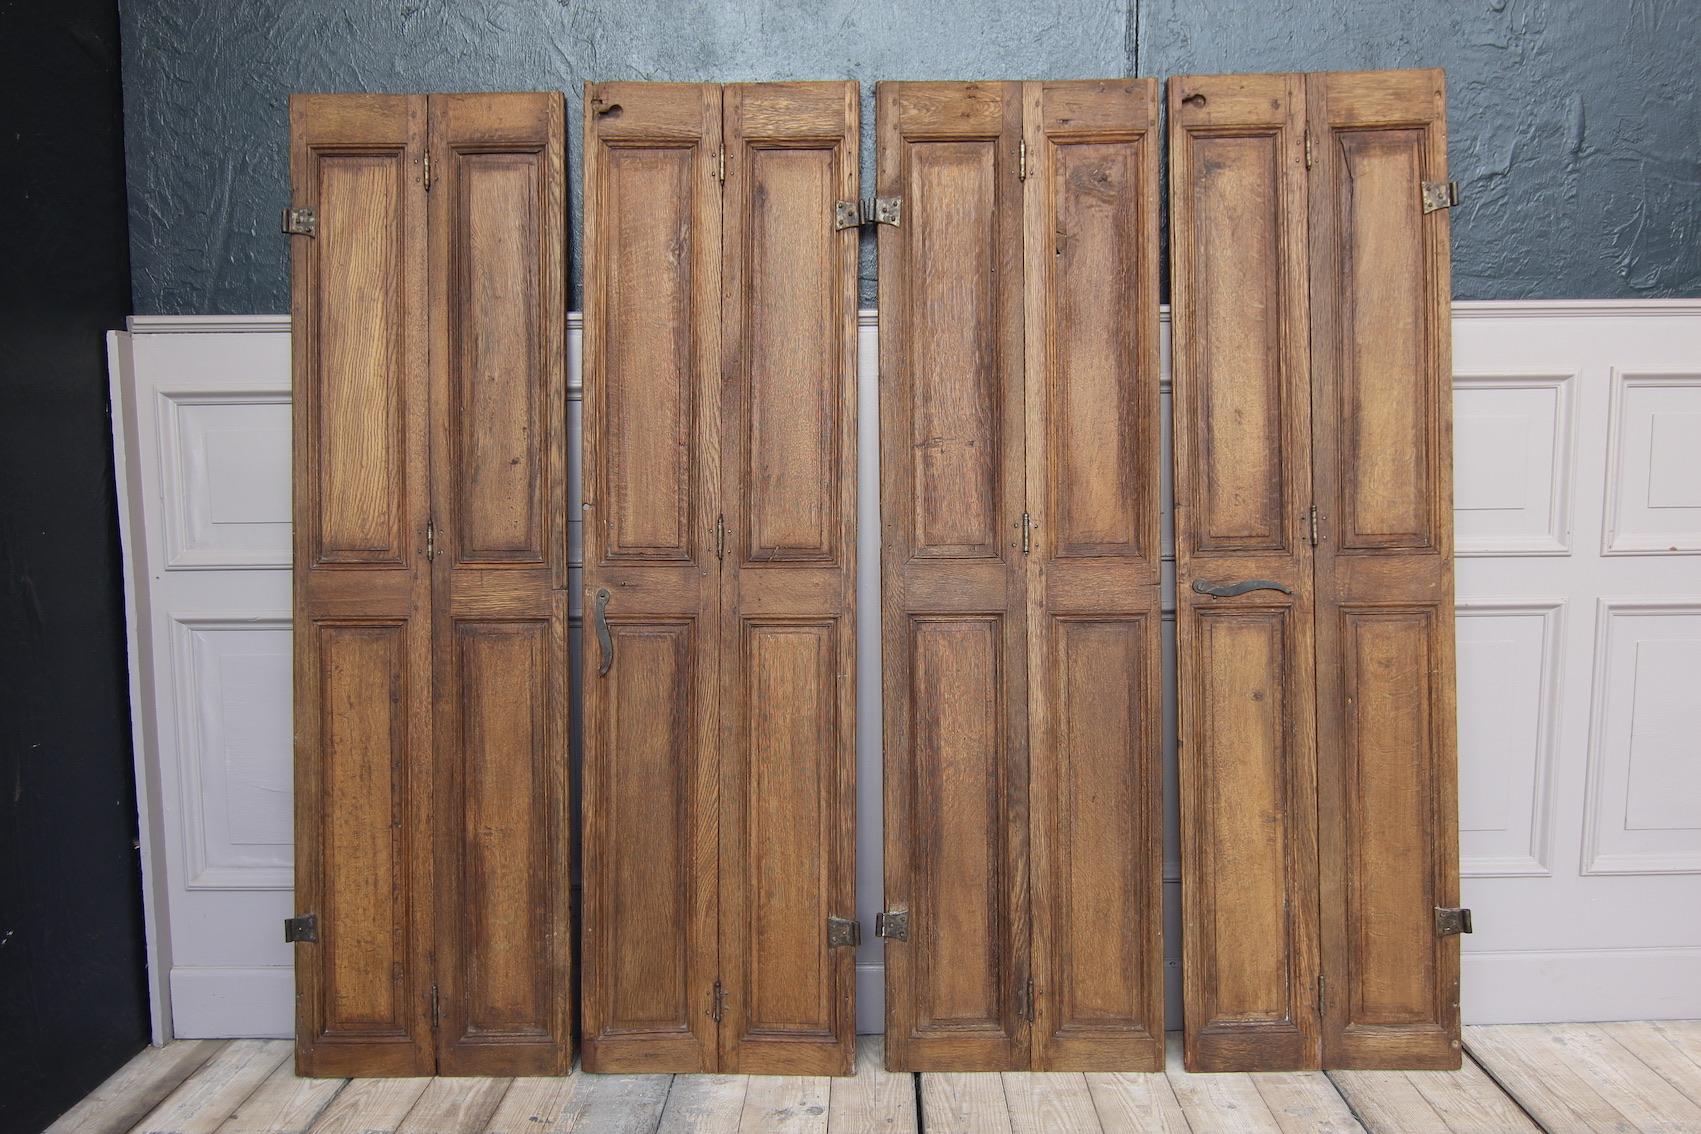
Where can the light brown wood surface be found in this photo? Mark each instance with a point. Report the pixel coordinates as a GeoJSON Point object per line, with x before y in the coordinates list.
{"type": "Point", "coordinates": [720, 449]}
{"type": "Point", "coordinates": [431, 604]}
{"type": "Point", "coordinates": [1318, 754]}
{"type": "Point", "coordinates": [1019, 536]}
{"type": "Point", "coordinates": [1567, 1075]}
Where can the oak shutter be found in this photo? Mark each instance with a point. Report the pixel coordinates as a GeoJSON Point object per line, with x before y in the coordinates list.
{"type": "Point", "coordinates": [1387, 756]}
{"type": "Point", "coordinates": [954, 603]}
{"type": "Point", "coordinates": [1094, 679]}
{"type": "Point", "coordinates": [1019, 408]}
{"type": "Point", "coordinates": [430, 673]}
{"type": "Point", "coordinates": [1319, 823]}
{"type": "Point", "coordinates": [652, 579]}
{"type": "Point", "coordinates": [719, 584]}
{"type": "Point", "coordinates": [499, 482]}
{"type": "Point", "coordinates": [788, 627]}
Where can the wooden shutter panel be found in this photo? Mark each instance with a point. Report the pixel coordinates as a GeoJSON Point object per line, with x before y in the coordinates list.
{"type": "Point", "coordinates": [1243, 490]}
{"type": "Point", "coordinates": [651, 438]}
{"type": "Point", "coordinates": [361, 587]}
{"type": "Point", "coordinates": [497, 214]}
{"type": "Point", "coordinates": [1382, 400]}
{"type": "Point", "coordinates": [788, 627]}
{"type": "Point", "coordinates": [1094, 623]}
{"type": "Point", "coordinates": [954, 607]}
{"type": "Point", "coordinates": [1309, 278]}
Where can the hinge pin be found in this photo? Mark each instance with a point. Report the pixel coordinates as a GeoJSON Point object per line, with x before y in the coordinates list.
{"type": "Point", "coordinates": [720, 165]}
{"type": "Point", "coordinates": [1310, 150]}
{"type": "Point", "coordinates": [1022, 161]}
{"type": "Point", "coordinates": [720, 536]}
{"type": "Point", "coordinates": [428, 171]}
{"type": "Point", "coordinates": [430, 541]}
{"type": "Point", "coordinates": [869, 210]}
{"type": "Point", "coordinates": [1027, 533]}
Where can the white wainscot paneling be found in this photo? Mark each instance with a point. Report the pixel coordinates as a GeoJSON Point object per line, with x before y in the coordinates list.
{"type": "Point", "coordinates": [224, 463]}
{"type": "Point", "coordinates": [1508, 674]}
{"type": "Point", "coordinates": [233, 675]}
{"type": "Point", "coordinates": [1512, 463]}
{"type": "Point", "coordinates": [1653, 490]}
{"type": "Point", "coordinates": [1643, 811]}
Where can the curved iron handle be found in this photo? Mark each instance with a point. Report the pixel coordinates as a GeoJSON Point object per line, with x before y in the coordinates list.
{"type": "Point", "coordinates": [603, 639]}
{"type": "Point", "coordinates": [1229, 590]}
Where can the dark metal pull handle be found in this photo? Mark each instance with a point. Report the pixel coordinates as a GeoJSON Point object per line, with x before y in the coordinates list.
{"type": "Point", "coordinates": [603, 639]}
{"type": "Point", "coordinates": [1229, 590]}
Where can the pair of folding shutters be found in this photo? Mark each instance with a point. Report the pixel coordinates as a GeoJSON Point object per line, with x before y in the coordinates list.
{"type": "Point", "coordinates": [1319, 822]}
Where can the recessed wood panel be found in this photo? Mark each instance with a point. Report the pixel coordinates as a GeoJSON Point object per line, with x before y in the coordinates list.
{"type": "Point", "coordinates": [792, 379]}
{"type": "Point", "coordinates": [790, 744]}
{"type": "Point", "coordinates": [364, 701]}
{"type": "Point", "coordinates": [500, 394]}
{"type": "Point", "coordinates": [1098, 449]}
{"type": "Point", "coordinates": [505, 822]}
{"type": "Point", "coordinates": [1389, 753]}
{"type": "Point", "coordinates": [1102, 838]}
{"type": "Point", "coordinates": [650, 729]}
{"type": "Point", "coordinates": [1235, 181]}
{"type": "Point", "coordinates": [648, 319]}
{"type": "Point", "coordinates": [957, 693]}
{"type": "Point", "coordinates": [956, 397]}
{"type": "Point", "coordinates": [359, 369]}
{"type": "Point", "coordinates": [1387, 416]}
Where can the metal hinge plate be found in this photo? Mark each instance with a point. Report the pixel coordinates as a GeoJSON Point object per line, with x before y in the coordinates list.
{"type": "Point", "coordinates": [302, 220]}
{"type": "Point", "coordinates": [717, 1002]}
{"type": "Point", "coordinates": [302, 928]}
{"type": "Point", "coordinates": [869, 210]}
{"type": "Point", "coordinates": [1451, 920]}
{"type": "Point", "coordinates": [1027, 533]}
{"type": "Point", "coordinates": [893, 925]}
{"type": "Point", "coordinates": [843, 931]}
{"type": "Point", "coordinates": [1438, 195]}
{"type": "Point", "coordinates": [720, 536]}
{"type": "Point", "coordinates": [1313, 521]}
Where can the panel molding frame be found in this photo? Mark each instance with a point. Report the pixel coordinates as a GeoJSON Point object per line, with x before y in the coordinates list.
{"type": "Point", "coordinates": [1552, 612]}
{"type": "Point", "coordinates": [180, 555]}
{"type": "Point", "coordinates": [1620, 380]}
{"type": "Point", "coordinates": [1562, 468]}
{"type": "Point", "coordinates": [1594, 861]}
{"type": "Point", "coordinates": [203, 875]}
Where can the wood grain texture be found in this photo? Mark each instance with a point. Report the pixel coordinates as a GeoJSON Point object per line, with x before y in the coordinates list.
{"type": "Point", "coordinates": [136, 1088]}
{"type": "Point", "coordinates": [1387, 763]}
{"type": "Point", "coordinates": [362, 590]}
{"type": "Point", "coordinates": [788, 602]}
{"type": "Point", "coordinates": [1465, 1101]}
{"type": "Point", "coordinates": [283, 1104]}
{"type": "Point", "coordinates": [499, 579]}
{"type": "Point", "coordinates": [370, 1106]}
{"type": "Point", "coordinates": [1242, 474]}
{"type": "Point", "coordinates": [954, 618]}
{"type": "Point", "coordinates": [455, 1106]}
{"type": "Point", "coordinates": [964, 1102]}
{"type": "Point", "coordinates": [873, 1100]}
{"type": "Point", "coordinates": [652, 367]}
{"type": "Point", "coordinates": [210, 1096]}
{"type": "Point", "coordinates": [1136, 1102]}
{"type": "Point", "coordinates": [1093, 612]}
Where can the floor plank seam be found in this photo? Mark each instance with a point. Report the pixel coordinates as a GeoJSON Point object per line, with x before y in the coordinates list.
{"type": "Point", "coordinates": [1347, 1099]}
{"type": "Point", "coordinates": [1504, 1088]}
{"type": "Point", "coordinates": [920, 1109]}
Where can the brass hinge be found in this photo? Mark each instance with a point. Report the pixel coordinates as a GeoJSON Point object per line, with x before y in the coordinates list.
{"type": "Point", "coordinates": [435, 1016]}
{"type": "Point", "coordinates": [1438, 195]}
{"type": "Point", "coordinates": [843, 931]}
{"type": "Point", "coordinates": [1310, 149]}
{"type": "Point", "coordinates": [1025, 1001]}
{"type": "Point", "coordinates": [302, 928]}
{"type": "Point", "coordinates": [1022, 161]}
{"type": "Point", "coordinates": [720, 165]}
{"type": "Point", "coordinates": [1313, 523]}
{"type": "Point", "coordinates": [1027, 533]}
{"type": "Point", "coordinates": [869, 210]}
{"type": "Point", "coordinates": [893, 924]}
{"type": "Point", "coordinates": [430, 541]}
{"type": "Point", "coordinates": [720, 536]}
{"type": "Point", "coordinates": [717, 1002]}
{"type": "Point", "coordinates": [428, 171]}
{"type": "Point", "coordinates": [301, 220]}
{"type": "Point", "coordinates": [1451, 920]}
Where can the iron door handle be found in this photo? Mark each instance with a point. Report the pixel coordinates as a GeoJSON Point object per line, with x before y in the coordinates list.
{"type": "Point", "coordinates": [603, 639]}
{"type": "Point", "coordinates": [1229, 590]}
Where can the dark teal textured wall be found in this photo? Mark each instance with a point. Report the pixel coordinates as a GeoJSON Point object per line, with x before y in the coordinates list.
{"type": "Point", "coordinates": [1575, 126]}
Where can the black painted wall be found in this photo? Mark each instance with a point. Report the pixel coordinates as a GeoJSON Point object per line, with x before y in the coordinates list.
{"type": "Point", "coordinates": [72, 1000]}
{"type": "Point", "coordinates": [1575, 124]}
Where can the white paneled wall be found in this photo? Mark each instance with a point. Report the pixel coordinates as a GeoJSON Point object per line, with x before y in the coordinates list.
{"type": "Point", "coordinates": [1577, 430]}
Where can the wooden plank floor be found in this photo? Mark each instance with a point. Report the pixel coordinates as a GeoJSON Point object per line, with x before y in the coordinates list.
{"type": "Point", "coordinates": [1557, 1078]}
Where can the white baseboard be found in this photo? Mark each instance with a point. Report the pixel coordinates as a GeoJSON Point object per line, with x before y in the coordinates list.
{"type": "Point", "coordinates": [226, 1003]}
{"type": "Point", "coordinates": [1562, 986]}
